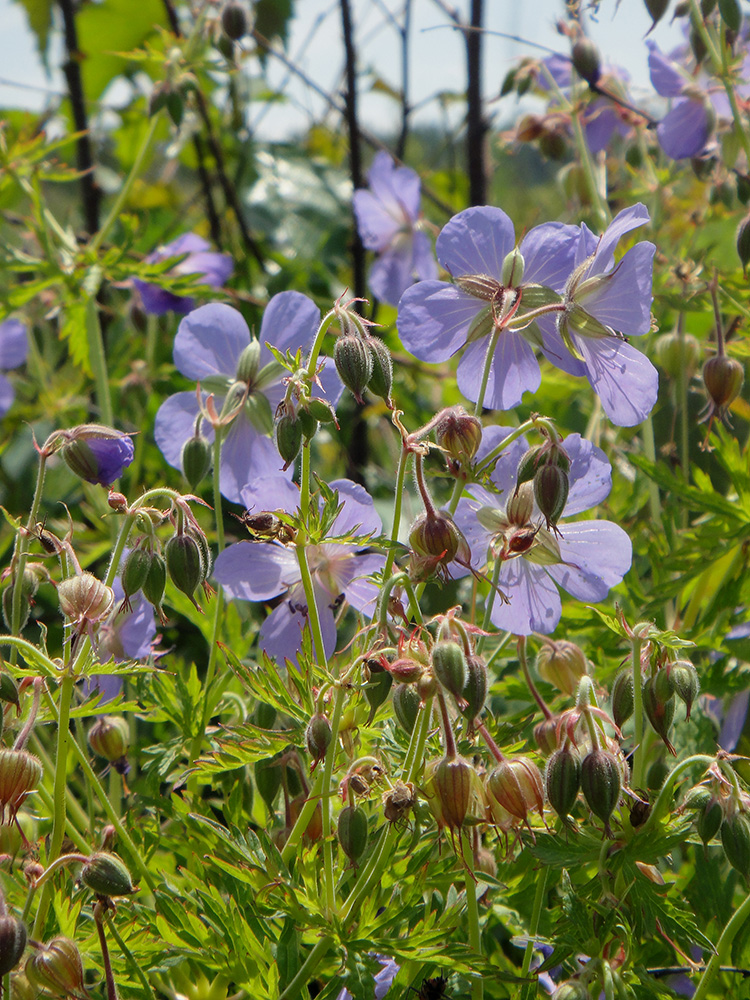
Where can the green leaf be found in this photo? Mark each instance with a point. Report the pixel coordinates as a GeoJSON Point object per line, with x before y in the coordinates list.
{"type": "Point", "coordinates": [39, 14]}
{"type": "Point", "coordinates": [73, 329]}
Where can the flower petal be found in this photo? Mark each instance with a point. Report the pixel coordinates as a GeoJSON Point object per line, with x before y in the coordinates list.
{"type": "Point", "coordinates": [622, 298]}
{"type": "Point", "coordinates": [549, 254]}
{"type": "Point", "coordinates": [255, 571]}
{"type": "Point", "coordinates": [535, 604]}
{"type": "Point", "coordinates": [247, 455]}
{"type": "Point", "coordinates": [14, 344]}
{"type": "Point", "coordinates": [271, 493]}
{"type": "Point", "coordinates": [434, 318]}
{"type": "Point", "coordinates": [290, 322]}
{"type": "Point", "coordinates": [210, 340]}
{"type": "Point", "coordinates": [7, 395]}
{"type": "Point", "coordinates": [358, 515]}
{"type": "Point", "coordinates": [281, 633]}
{"type": "Point", "coordinates": [514, 370]}
{"type": "Point", "coordinates": [623, 378]}
{"type": "Point", "coordinates": [596, 556]}
{"type": "Point", "coordinates": [175, 423]}
{"type": "Point", "coordinates": [626, 220]}
{"type": "Point", "coordinates": [476, 241]}
{"type": "Point", "coordinates": [684, 131]}
{"type": "Point", "coordinates": [590, 475]}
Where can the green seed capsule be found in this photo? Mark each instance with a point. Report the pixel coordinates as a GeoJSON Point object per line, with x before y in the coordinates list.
{"type": "Point", "coordinates": [12, 942]}
{"type": "Point", "coordinates": [406, 702]}
{"type": "Point", "coordinates": [156, 580]}
{"type": "Point", "coordinates": [184, 563]}
{"type": "Point", "coordinates": [352, 832]}
{"type": "Point", "coordinates": [685, 683]}
{"type": "Point", "coordinates": [288, 438]}
{"type": "Point", "coordinates": [551, 488]}
{"type": "Point", "coordinates": [623, 697]}
{"type": "Point", "coordinates": [601, 783]}
{"type": "Point", "coordinates": [735, 836]}
{"type": "Point", "coordinates": [353, 360]}
{"type": "Point", "coordinates": [449, 666]}
{"type": "Point", "coordinates": [562, 780]}
{"type": "Point", "coordinates": [135, 571]}
{"type": "Point", "coordinates": [709, 819]}
{"type": "Point", "coordinates": [106, 875]}
{"type": "Point", "coordinates": [318, 736]}
{"type": "Point", "coordinates": [474, 692]}
{"type": "Point", "coordinates": [659, 710]}
{"type": "Point", "coordinates": [381, 379]}
{"type": "Point", "coordinates": [195, 460]}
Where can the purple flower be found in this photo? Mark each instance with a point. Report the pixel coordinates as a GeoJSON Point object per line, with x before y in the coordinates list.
{"type": "Point", "coordinates": [382, 980]}
{"type": "Point", "coordinates": [585, 558]}
{"type": "Point", "coordinates": [95, 453]}
{"type": "Point", "coordinates": [605, 302]}
{"type": "Point", "coordinates": [436, 318]}
{"type": "Point", "coordinates": [14, 346]}
{"type": "Point", "coordinates": [125, 635]}
{"type": "Point", "coordinates": [387, 217]}
{"type": "Point", "coordinates": [261, 571]}
{"type": "Point", "coordinates": [211, 343]}
{"type": "Point", "coordinates": [209, 267]}
{"type": "Point", "coordinates": [687, 126]}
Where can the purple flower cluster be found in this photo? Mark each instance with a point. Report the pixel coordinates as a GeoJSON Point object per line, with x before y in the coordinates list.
{"type": "Point", "coordinates": [210, 344]}
{"type": "Point", "coordinates": [585, 558]}
{"type": "Point", "coordinates": [262, 571]}
{"type": "Point", "coordinates": [565, 296]}
{"type": "Point", "coordinates": [209, 267]}
{"type": "Point", "coordinates": [14, 346]}
{"type": "Point", "coordinates": [387, 216]}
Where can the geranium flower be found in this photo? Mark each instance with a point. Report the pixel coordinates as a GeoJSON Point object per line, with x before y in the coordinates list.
{"type": "Point", "coordinates": [686, 128]}
{"type": "Point", "coordinates": [387, 215]}
{"type": "Point", "coordinates": [605, 302]}
{"type": "Point", "coordinates": [14, 346]}
{"type": "Point", "coordinates": [437, 318]}
{"type": "Point", "coordinates": [261, 571]}
{"type": "Point", "coordinates": [96, 453]}
{"type": "Point", "coordinates": [382, 980]}
{"type": "Point", "coordinates": [208, 347]}
{"type": "Point", "coordinates": [585, 558]}
{"type": "Point", "coordinates": [208, 266]}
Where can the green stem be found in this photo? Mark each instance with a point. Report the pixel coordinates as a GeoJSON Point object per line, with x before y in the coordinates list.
{"type": "Point", "coordinates": [598, 198]}
{"type": "Point", "coordinates": [639, 749]}
{"type": "Point", "coordinates": [289, 848]}
{"type": "Point", "coordinates": [98, 361]}
{"type": "Point", "coordinates": [130, 957]}
{"type": "Point", "coordinates": [308, 968]}
{"type": "Point", "coordinates": [398, 499]}
{"type": "Point", "coordinates": [489, 604]}
{"type": "Point", "coordinates": [472, 912]}
{"type": "Point", "coordinates": [667, 790]}
{"type": "Point", "coordinates": [541, 886]}
{"type": "Point", "coordinates": [328, 876]}
{"type": "Point", "coordinates": [723, 946]}
{"type": "Point", "coordinates": [654, 501]}
{"type": "Point", "coordinates": [124, 193]}
{"type": "Point", "coordinates": [20, 554]}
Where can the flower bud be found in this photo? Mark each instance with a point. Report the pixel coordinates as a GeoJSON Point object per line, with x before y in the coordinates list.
{"type": "Point", "coordinates": [474, 692]}
{"type": "Point", "coordinates": [156, 580]}
{"type": "Point", "coordinates": [659, 706]}
{"type": "Point", "coordinates": [352, 832]}
{"type": "Point", "coordinates": [109, 738]}
{"type": "Point", "coordinates": [84, 599]}
{"type": "Point", "coordinates": [20, 773]}
{"type": "Point", "coordinates": [517, 785]}
{"type": "Point", "coordinates": [459, 435]}
{"type": "Point", "coordinates": [562, 779]}
{"type": "Point", "coordinates": [195, 460]}
{"type": "Point", "coordinates": [381, 379]}
{"type": "Point", "coordinates": [573, 989]}
{"type": "Point", "coordinates": [623, 697]}
{"type": "Point", "coordinates": [57, 967]}
{"type": "Point", "coordinates": [248, 362]}
{"type": "Point", "coordinates": [449, 666]}
{"type": "Point", "coordinates": [709, 819]}
{"type": "Point", "coordinates": [318, 736]}
{"type": "Point", "coordinates": [234, 21]}
{"type": "Point", "coordinates": [735, 837]}
{"type": "Point", "coordinates": [562, 664]}
{"type": "Point", "coordinates": [288, 437]}
{"type": "Point", "coordinates": [12, 942]}
{"type": "Point", "coordinates": [723, 378]}
{"type": "Point", "coordinates": [520, 506]}
{"type": "Point", "coordinates": [97, 454]}
{"type": "Point", "coordinates": [135, 571]}
{"type": "Point", "coordinates": [601, 782]}
{"type": "Point", "coordinates": [545, 735]}
{"type": "Point", "coordinates": [456, 791]}
{"type": "Point", "coordinates": [587, 61]}
{"type": "Point", "coordinates": [551, 487]}
{"type": "Point", "coordinates": [377, 688]}
{"type": "Point", "coordinates": [321, 410]}
{"type": "Point", "coordinates": [353, 360]}
{"type": "Point", "coordinates": [406, 703]}
{"type": "Point", "coordinates": [677, 354]}
{"type": "Point", "coordinates": [685, 683]}
{"type": "Point", "coordinates": [743, 242]}
{"type": "Point", "coordinates": [513, 268]}
{"type": "Point", "coordinates": [437, 536]}
{"type": "Point", "coordinates": [106, 875]}
{"type": "Point", "coordinates": [185, 563]}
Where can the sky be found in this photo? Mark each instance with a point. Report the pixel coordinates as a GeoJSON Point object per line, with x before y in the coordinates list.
{"type": "Point", "coordinates": [436, 55]}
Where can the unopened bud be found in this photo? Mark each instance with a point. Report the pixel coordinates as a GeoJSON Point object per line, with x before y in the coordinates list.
{"type": "Point", "coordinates": [185, 563]}
{"type": "Point", "coordinates": [723, 378]}
{"type": "Point", "coordinates": [475, 689]}
{"type": "Point", "coordinates": [449, 666]}
{"type": "Point", "coordinates": [12, 942]}
{"type": "Point", "coordinates": [352, 832]}
{"type": "Point", "coordinates": [435, 535]}
{"type": "Point", "coordinates": [551, 487]}
{"type": "Point", "coordinates": [685, 683]}
{"type": "Point", "coordinates": [106, 875]}
{"type": "Point", "coordinates": [709, 819]}
{"type": "Point", "coordinates": [234, 21]}
{"type": "Point", "coordinates": [406, 703]}
{"type": "Point", "coordinates": [562, 779]}
{"type": "Point", "coordinates": [381, 379]}
{"type": "Point", "coordinates": [318, 736]}
{"type": "Point", "coordinates": [678, 354]}
{"type": "Point", "coordinates": [587, 61]}
{"type": "Point", "coordinates": [459, 434]}
{"type": "Point", "coordinates": [57, 967]}
{"type": "Point", "coordinates": [288, 437]}
{"type": "Point", "coordinates": [623, 697]}
{"type": "Point", "coordinates": [96, 453]}
{"type": "Point", "coordinates": [545, 735]}
{"type": "Point", "coordinates": [517, 785]}
{"type": "Point", "coordinates": [454, 786]}
{"type": "Point", "coordinates": [735, 837]}
{"type": "Point", "coordinates": [195, 460]}
{"type": "Point", "coordinates": [601, 783]}
{"type": "Point", "coordinates": [520, 506]}
{"type": "Point", "coordinates": [353, 360]}
{"type": "Point", "coordinates": [513, 268]}
{"type": "Point", "coordinates": [562, 664]}
{"type": "Point", "coordinates": [109, 738]}
{"type": "Point", "coordinates": [135, 571]}
{"type": "Point", "coordinates": [156, 580]}
{"type": "Point", "coordinates": [20, 774]}
{"type": "Point", "coordinates": [84, 599]}
{"type": "Point", "coordinates": [659, 706]}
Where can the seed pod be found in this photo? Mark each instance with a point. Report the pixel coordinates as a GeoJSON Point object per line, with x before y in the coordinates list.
{"type": "Point", "coordinates": [156, 580]}
{"type": "Point", "coordinates": [185, 563]}
{"type": "Point", "coordinates": [562, 664]}
{"type": "Point", "coordinates": [308, 424]}
{"type": "Point", "coordinates": [731, 14]}
{"type": "Point", "coordinates": [353, 360]}
{"type": "Point", "coordinates": [587, 61]}
{"type": "Point", "coordinates": [527, 467]}
{"type": "Point", "coordinates": [459, 434]}
{"type": "Point", "coordinates": [685, 683]}
{"type": "Point", "coordinates": [453, 784]}
{"type": "Point", "coordinates": [352, 832]}
{"type": "Point", "coordinates": [562, 779]}
{"type": "Point", "coordinates": [248, 362]}
{"type": "Point", "coordinates": [474, 692]}
{"type": "Point", "coordinates": [195, 460]}
{"type": "Point", "coordinates": [545, 735]}
{"type": "Point", "coordinates": [435, 535]}
{"type": "Point", "coordinates": [234, 21]}
{"type": "Point", "coordinates": [520, 506]}
{"type": "Point", "coordinates": [623, 697]}
{"type": "Point", "coordinates": [108, 738]}
{"type": "Point", "coordinates": [323, 412]}
{"type": "Point", "coordinates": [288, 437]}
{"type": "Point", "coordinates": [601, 783]}
{"type": "Point", "coordinates": [12, 942]}
{"type": "Point", "coordinates": [735, 837]}
{"type": "Point", "coordinates": [318, 736]}
{"type": "Point", "coordinates": [659, 710]}
{"type": "Point", "coordinates": [709, 820]}
{"type": "Point", "coordinates": [517, 785]}
{"type": "Point", "coordinates": [135, 571]}
{"type": "Point", "coordinates": [723, 378]}
{"type": "Point", "coordinates": [551, 487]}
{"type": "Point", "coordinates": [20, 773]}
{"type": "Point", "coordinates": [106, 875]}
{"type": "Point", "coordinates": [406, 702]}
{"type": "Point", "coordinates": [84, 599]}
{"type": "Point", "coordinates": [57, 967]}
{"type": "Point", "coordinates": [449, 666]}
{"type": "Point", "coordinates": [381, 379]}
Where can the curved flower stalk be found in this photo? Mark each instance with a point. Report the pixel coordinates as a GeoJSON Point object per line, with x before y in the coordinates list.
{"type": "Point", "coordinates": [214, 346]}
{"type": "Point", "coordinates": [261, 571]}
{"type": "Point", "coordinates": [437, 318]}
{"type": "Point", "coordinates": [209, 267]}
{"type": "Point", "coordinates": [387, 219]}
{"type": "Point", "coordinates": [605, 302]}
{"type": "Point", "coordinates": [14, 346]}
{"type": "Point", "coordinates": [585, 558]}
